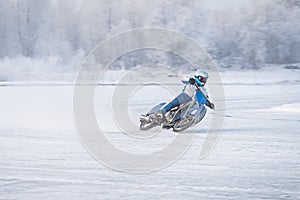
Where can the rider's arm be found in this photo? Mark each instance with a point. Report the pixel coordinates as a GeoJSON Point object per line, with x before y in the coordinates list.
{"type": "Point", "coordinates": [202, 98]}
{"type": "Point", "coordinates": [187, 80]}
{"type": "Point", "coordinates": [210, 104]}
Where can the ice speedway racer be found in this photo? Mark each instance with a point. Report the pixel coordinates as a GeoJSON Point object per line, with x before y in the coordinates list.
{"type": "Point", "coordinates": [186, 110]}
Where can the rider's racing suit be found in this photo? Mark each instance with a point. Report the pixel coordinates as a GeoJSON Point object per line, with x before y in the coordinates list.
{"type": "Point", "coordinates": [186, 95]}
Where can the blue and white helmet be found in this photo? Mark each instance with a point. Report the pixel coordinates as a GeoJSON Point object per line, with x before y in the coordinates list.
{"type": "Point", "coordinates": [201, 77]}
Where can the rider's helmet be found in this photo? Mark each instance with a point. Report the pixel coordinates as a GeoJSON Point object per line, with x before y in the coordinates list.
{"type": "Point", "coordinates": [201, 77]}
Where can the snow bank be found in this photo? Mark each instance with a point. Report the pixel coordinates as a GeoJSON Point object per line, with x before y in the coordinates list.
{"type": "Point", "coordinates": [293, 107]}
{"type": "Point", "coordinates": [53, 70]}
{"type": "Point", "coordinates": [267, 76]}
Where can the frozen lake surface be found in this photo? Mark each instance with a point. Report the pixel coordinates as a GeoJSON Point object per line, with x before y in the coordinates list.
{"type": "Point", "coordinates": [256, 157]}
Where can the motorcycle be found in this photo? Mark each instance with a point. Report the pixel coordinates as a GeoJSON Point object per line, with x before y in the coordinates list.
{"type": "Point", "coordinates": [178, 118]}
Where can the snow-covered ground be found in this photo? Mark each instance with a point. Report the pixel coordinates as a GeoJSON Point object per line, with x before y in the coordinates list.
{"type": "Point", "coordinates": [257, 155]}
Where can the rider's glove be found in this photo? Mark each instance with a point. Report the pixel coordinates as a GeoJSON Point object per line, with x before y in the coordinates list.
{"type": "Point", "coordinates": [192, 81]}
{"type": "Point", "coordinates": [211, 105]}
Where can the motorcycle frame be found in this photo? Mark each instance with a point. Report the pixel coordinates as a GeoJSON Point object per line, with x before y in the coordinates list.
{"type": "Point", "coordinates": [181, 107]}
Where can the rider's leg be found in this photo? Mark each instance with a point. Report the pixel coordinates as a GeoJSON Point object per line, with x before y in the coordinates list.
{"type": "Point", "coordinates": [170, 105]}
{"type": "Point", "coordinates": [180, 99]}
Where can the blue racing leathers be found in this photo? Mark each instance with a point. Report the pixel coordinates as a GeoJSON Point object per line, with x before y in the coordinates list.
{"type": "Point", "coordinates": [186, 95]}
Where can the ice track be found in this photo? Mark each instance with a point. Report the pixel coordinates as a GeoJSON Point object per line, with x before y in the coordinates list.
{"type": "Point", "coordinates": [257, 156]}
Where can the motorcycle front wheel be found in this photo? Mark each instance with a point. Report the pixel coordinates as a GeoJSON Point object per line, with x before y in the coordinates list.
{"type": "Point", "coordinates": [183, 124]}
